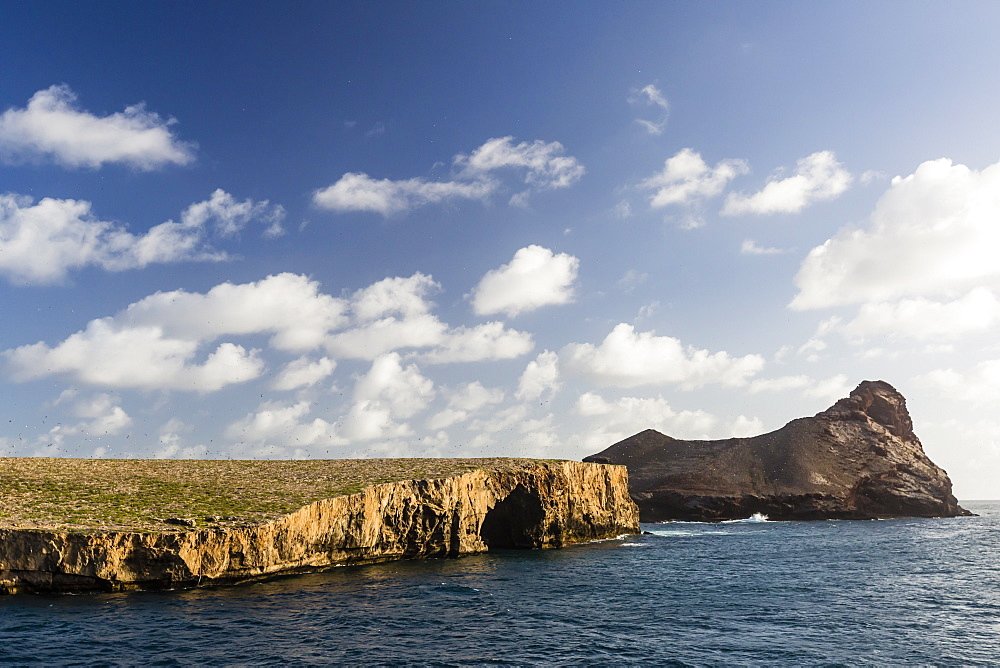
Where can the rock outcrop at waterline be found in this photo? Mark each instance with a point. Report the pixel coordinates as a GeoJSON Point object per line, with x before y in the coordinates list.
{"type": "Point", "coordinates": [540, 505]}
{"type": "Point", "coordinates": [859, 459]}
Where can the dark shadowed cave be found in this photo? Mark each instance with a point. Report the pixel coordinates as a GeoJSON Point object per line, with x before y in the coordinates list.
{"type": "Point", "coordinates": [515, 521]}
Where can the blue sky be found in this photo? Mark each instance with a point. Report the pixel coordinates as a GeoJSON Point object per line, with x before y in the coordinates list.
{"type": "Point", "coordinates": [480, 229]}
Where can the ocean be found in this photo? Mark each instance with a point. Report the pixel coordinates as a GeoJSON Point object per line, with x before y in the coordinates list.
{"type": "Point", "coordinates": [840, 593]}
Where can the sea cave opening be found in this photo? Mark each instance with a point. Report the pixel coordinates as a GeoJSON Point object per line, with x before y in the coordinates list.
{"type": "Point", "coordinates": [515, 521]}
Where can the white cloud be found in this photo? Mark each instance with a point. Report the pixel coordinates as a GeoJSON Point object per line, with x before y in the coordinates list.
{"type": "Point", "coordinates": [542, 164]}
{"type": "Point", "coordinates": [52, 126]}
{"type": "Point", "coordinates": [933, 232]}
{"type": "Point", "coordinates": [540, 376]}
{"type": "Point", "coordinates": [360, 192]}
{"type": "Point", "coordinates": [134, 357]}
{"type": "Point", "coordinates": [978, 387]}
{"type": "Point", "coordinates": [289, 306]}
{"type": "Point", "coordinates": [650, 95]}
{"type": "Point", "coordinates": [817, 177]}
{"type": "Point", "coordinates": [686, 178]}
{"type": "Point", "coordinates": [464, 402]}
{"type": "Point", "coordinates": [489, 341]}
{"type": "Point", "coordinates": [369, 340]}
{"type": "Point", "coordinates": [626, 416]}
{"type": "Point", "coordinates": [629, 359]}
{"type": "Point", "coordinates": [281, 423]}
{"type": "Point", "coordinates": [779, 384]}
{"type": "Point", "coordinates": [104, 415]}
{"type": "Point", "coordinates": [830, 389]}
{"type": "Point", "coordinates": [153, 343]}
{"type": "Point", "coordinates": [744, 427]}
{"type": "Point", "coordinates": [924, 319]}
{"type": "Point", "coordinates": [395, 295]}
{"type": "Point", "coordinates": [535, 277]}
{"type": "Point", "coordinates": [403, 390]}
{"type": "Point", "coordinates": [230, 217]}
{"type": "Point", "coordinates": [750, 247]}
{"type": "Point", "coordinates": [40, 243]}
{"type": "Point", "coordinates": [303, 372]}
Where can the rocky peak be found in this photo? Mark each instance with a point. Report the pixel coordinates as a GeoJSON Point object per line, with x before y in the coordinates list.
{"type": "Point", "coordinates": [881, 402]}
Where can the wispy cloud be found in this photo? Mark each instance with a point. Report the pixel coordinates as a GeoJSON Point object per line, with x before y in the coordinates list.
{"type": "Point", "coordinates": [540, 165]}
{"type": "Point", "coordinates": [651, 96]}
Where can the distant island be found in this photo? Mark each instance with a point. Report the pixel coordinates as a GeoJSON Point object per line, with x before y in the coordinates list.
{"type": "Point", "coordinates": [859, 459]}
{"type": "Point", "coordinates": [106, 525]}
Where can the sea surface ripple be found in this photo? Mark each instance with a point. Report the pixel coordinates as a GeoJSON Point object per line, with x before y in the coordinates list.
{"type": "Point", "coordinates": [893, 592]}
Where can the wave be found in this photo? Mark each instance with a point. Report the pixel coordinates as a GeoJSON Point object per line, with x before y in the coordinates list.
{"type": "Point", "coordinates": [756, 517]}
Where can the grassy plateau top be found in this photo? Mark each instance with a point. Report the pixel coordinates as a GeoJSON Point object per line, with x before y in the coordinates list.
{"type": "Point", "coordinates": [85, 495]}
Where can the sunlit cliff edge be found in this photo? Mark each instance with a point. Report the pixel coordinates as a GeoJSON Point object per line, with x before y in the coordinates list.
{"type": "Point", "coordinates": [526, 504]}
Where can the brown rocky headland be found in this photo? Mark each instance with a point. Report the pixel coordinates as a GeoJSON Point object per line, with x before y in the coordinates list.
{"type": "Point", "coordinates": [859, 459]}
{"type": "Point", "coordinates": [108, 525]}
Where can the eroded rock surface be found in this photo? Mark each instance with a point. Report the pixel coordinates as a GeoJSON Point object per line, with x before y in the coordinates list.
{"type": "Point", "coordinates": [541, 505]}
{"type": "Point", "coordinates": [859, 459]}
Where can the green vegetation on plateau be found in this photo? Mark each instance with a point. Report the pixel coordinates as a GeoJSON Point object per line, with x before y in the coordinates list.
{"type": "Point", "coordinates": [139, 494]}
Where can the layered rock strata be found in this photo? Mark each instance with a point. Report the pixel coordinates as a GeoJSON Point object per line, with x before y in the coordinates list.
{"type": "Point", "coordinates": [542, 505]}
{"type": "Point", "coordinates": [859, 459]}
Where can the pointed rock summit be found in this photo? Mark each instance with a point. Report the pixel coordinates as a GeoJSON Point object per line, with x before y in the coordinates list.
{"type": "Point", "coordinates": [859, 459]}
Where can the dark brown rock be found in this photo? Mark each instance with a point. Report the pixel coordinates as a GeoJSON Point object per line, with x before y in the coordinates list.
{"type": "Point", "coordinates": [859, 459]}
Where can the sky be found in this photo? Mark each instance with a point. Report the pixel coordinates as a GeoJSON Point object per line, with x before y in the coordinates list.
{"type": "Point", "coordinates": [381, 229]}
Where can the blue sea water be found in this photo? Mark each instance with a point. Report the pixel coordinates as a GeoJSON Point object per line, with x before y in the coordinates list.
{"type": "Point", "coordinates": [843, 593]}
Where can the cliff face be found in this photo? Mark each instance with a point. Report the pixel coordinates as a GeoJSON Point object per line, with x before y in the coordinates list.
{"type": "Point", "coordinates": [544, 505]}
{"type": "Point", "coordinates": [859, 459]}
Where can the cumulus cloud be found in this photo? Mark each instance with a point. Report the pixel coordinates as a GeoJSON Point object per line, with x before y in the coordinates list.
{"type": "Point", "coordinates": [542, 166]}
{"type": "Point", "coordinates": [388, 315]}
{"type": "Point", "coordinates": [303, 372]}
{"type": "Point", "coordinates": [467, 400]}
{"type": "Point", "coordinates": [980, 386]}
{"type": "Point", "coordinates": [830, 389]}
{"type": "Point", "coordinates": [651, 96]}
{"type": "Point", "coordinates": [489, 341]}
{"type": "Point", "coordinates": [53, 127]}
{"type": "Point", "coordinates": [933, 233]}
{"type": "Point", "coordinates": [627, 358]}
{"type": "Point", "coordinates": [229, 216]}
{"type": "Point", "coordinates": [817, 177]}
{"type": "Point", "coordinates": [403, 390]}
{"type": "Point", "coordinates": [536, 277]}
{"type": "Point", "coordinates": [623, 417]}
{"type": "Point", "coordinates": [41, 243]}
{"type": "Point", "coordinates": [288, 306]}
{"type": "Point", "coordinates": [283, 423]}
{"type": "Point", "coordinates": [540, 376]}
{"type": "Point", "coordinates": [779, 384]}
{"type": "Point", "coordinates": [154, 343]}
{"type": "Point", "coordinates": [134, 357]}
{"type": "Point", "coordinates": [686, 178]}
{"type": "Point", "coordinates": [924, 319]}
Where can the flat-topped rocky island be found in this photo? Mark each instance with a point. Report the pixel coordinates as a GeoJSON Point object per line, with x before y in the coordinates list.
{"type": "Point", "coordinates": [106, 525]}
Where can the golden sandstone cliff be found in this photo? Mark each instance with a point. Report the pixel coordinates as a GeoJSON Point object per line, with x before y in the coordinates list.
{"type": "Point", "coordinates": [531, 505]}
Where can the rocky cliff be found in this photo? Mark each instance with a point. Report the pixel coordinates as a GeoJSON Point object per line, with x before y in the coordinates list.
{"type": "Point", "coordinates": [537, 505]}
{"type": "Point", "coordinates": [859, 459]}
